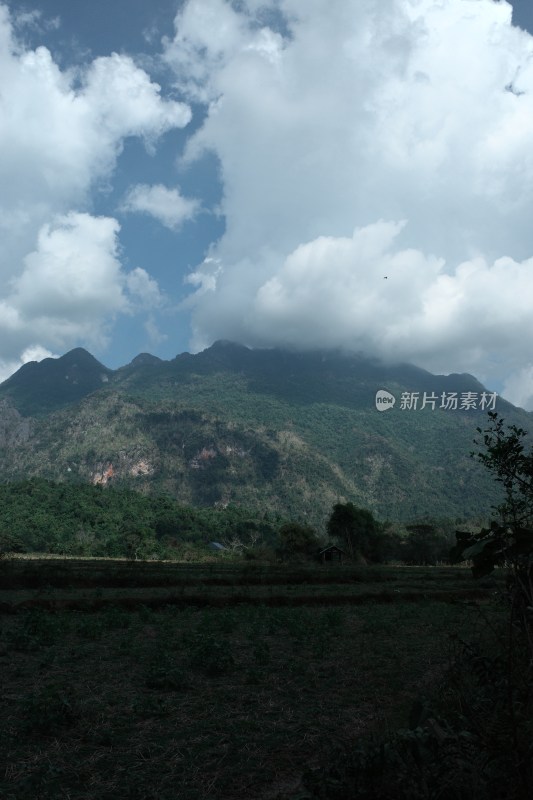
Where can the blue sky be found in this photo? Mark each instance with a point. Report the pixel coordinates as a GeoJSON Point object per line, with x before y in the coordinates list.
{"type": "Point", "coordinates": [76, 33]}
{"type": "Point", "coordinates": [274, 172]}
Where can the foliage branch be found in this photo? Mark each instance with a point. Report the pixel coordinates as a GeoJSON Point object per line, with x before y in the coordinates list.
{"type": "Point", "coordinates": [508, 541]}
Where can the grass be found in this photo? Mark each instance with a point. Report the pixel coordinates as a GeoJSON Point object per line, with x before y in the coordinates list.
{"type": "Point", "coordinates": [215, 703]}
{"type": "Point", "coordinates": [85, 585]}
{"type": "Point", "coordinates": [35, 572]}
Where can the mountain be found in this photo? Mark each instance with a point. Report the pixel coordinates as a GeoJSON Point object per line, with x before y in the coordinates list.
{"type": "Point", "coordinates": [42, 386]}
{"type": "Point", "coordinates": [271, 430]}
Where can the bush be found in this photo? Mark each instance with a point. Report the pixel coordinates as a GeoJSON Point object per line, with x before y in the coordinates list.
{"type": "Point", "coordinates": [297, 541]}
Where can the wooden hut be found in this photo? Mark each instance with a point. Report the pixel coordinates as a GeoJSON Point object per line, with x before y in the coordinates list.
{"type": "Point", "coordinates": [331, 554]}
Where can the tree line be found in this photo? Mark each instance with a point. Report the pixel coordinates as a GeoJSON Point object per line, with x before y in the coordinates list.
{"type": "Point", "coordinates": [365, 540]}
{"type": "Point", "coordinates": [42, 516]}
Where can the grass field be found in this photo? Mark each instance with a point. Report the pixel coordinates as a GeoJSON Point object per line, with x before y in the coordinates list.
{"type": "Point", "coordinates": [226, 702]}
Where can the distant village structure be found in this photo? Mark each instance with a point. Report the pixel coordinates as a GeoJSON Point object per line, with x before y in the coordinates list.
{"type": "Point", "coordinates": [331, 555]}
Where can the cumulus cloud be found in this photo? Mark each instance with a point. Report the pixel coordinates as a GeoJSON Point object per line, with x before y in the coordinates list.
{"type": "Point", "coordinates": [368, 294]}
{"type": "Point", "coordinates": [70, 285]}
{"type": "Point", "coordinates": [71, 289]}
{"type": "Point", "coordinates": [155, 336]}
{"type": "Point", "coordinates": [144, 289]}
{"type": "Point", "coordinates": [410, 122]}
{"type": "Point", "coordinates": [74, 271]}
{"type": "Point", "coordinates": [204, 278]}
{"type": "Point", "coordinates": [58, 142]}
{"type": "Point", "coordinates": [125, 102]}
{"type": "Point", "coordinates": [168, 206]}
{"type": "Point", "coordinates": [61, 132]}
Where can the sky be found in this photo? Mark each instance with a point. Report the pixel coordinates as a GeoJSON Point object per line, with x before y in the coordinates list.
{"type": "Point", "coordinates": [311, 175]}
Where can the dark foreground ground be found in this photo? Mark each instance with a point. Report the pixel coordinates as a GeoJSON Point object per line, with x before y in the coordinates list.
{"type": "Point", "coordinates": [238, 698]}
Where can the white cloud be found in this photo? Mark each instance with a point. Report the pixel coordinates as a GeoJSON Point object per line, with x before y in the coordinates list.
{"type": "Point", "coordinates": [36, 353]}
{"type": "Point", "coordinates": [144, 289]}
{"type": "Point", "coordinates": [205, 278]}
{"type": "Point", "coordinates": [390, 110]}
{"type": "Point", "coordinates": [74, 272]}
{"type": "Point", "coordinates": [155, 336]}
{"type": "Point", "coordinates": [58, 142]}
{"type": "Point", "coordinates": [34, 19]}
{"type": "Point", "coordinates": [518, 388]}
{"type": "Point", "coordinates": [209, 34]}
{"type": "Point", "coordinates": [125, 102]}
{"type": "Point", "coordinates": [168, 206]}
{"type": "Point", "coordinates": [61, 132]}
{"type": "Point", "coordinates": [365, 293]}
{"type": "Point", "coordinates": [72, 287]}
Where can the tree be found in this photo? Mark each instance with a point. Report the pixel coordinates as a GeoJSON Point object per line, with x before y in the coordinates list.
{"type": "Point", "coordinates": [506, 679]}
{"type": "Point", "coordinates": [512, 466]}
{"type": "Point", "coordinates": [357, 529]}
{"type": "Point", "coordinates": [296, 540]}
{"type": "Point", "coordinates": [508, 540]}
{"type": "Point", "coordinates": [425, 544]}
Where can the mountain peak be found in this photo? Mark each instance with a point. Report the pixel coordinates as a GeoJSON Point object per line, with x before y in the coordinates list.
{"type": "Point", "coordinates": [145, 358]}
{"type": "Point", "coordinates": [41, 386]}
{"type": "Point", "coordinates": [78, 356]}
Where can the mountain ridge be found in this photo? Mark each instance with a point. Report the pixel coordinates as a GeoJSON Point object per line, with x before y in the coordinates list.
{"type": "Point", "coordinates": [79, 367]}
{"type": "Point", "coordinates": [265, 429]}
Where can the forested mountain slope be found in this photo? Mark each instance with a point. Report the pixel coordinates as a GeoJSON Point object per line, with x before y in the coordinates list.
{"type": "Point", "coordinates": [291, 433]}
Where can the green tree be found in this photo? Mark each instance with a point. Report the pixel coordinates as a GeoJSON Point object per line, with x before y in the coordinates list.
{"type": "Point", "coordinates": [297, 540]}
{"type": "Point", "coordinates": [357, 529]}
{"type": "Point", "coordinates": [506, 679]}
{"type": "Point", "coordinates": [506, 457]}
{"type": "Point", "coordinates": [425, 544]}
{"type": "Point", "coordinates": [509, 539]}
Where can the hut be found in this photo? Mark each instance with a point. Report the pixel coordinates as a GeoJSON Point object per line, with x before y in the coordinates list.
{"type": "Point", "coordinates": [331, 554]}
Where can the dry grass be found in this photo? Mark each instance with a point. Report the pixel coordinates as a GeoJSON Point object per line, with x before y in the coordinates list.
{"type": "Point", "coordinates": [199, 704]}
